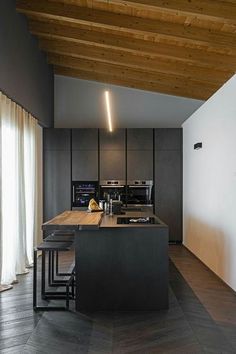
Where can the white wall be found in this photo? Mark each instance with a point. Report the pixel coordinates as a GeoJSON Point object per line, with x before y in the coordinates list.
{"type": "Point", "coordinates": [209, 183]}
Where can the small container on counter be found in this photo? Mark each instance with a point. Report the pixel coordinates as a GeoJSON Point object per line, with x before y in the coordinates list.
{"type": "Point", "coordinates": [102, 204]}
{"type": "Point", "coordinates": [106, 208]}
{"type": "Point", "coordinates": [111, 207]}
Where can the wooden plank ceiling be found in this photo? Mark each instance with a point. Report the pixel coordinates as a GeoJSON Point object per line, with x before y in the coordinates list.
{"type": "Point", "coordinates": [179, 47]}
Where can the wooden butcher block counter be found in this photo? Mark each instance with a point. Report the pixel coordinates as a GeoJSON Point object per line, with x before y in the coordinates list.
{"type": "Point", "coordinates": [74, 220]}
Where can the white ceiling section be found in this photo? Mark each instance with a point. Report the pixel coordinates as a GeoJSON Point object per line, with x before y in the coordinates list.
{"type": "Point", "coordinates": [81, 104]}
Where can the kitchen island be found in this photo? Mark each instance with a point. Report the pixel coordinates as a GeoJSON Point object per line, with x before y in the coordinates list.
{"type": "Point", "coordinates": [119, 266]}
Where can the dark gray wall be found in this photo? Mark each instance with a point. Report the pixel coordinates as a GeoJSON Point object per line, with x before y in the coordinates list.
{"type": "Point", "coordinates": [25, 76]}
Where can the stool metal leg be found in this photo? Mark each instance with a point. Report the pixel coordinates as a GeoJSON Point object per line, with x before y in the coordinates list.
{"type": "Point", "coordinates": [67, 296]}
{"type": "Point", "coordinates": [43, 275]}
{"type": "Point", "coordinates": [57, 261]}
{"type": "Point", "coordinates": [49, 269]}
{"type": "Point", "coordinates": [73, 288]}
{"type": "Point", "coordinates": [35, 280]}
{"type": "Point", "coordinates": [52, 266]}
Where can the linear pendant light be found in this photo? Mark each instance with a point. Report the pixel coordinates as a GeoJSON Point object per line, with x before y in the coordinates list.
{"type": "Point", "coordinates": [107, 97]}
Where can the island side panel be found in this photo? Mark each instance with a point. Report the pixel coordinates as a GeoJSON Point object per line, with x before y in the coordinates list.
{"type": "Point", "coordinates": [122, 269]}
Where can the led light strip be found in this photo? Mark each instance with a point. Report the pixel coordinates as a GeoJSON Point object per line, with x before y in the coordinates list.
{"type": "Point", "coordinates": [108, 110]}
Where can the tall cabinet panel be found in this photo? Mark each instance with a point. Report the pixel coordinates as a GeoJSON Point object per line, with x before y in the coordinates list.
{"type": "Point", "coordinates": [57, 172]}
{"type": "Point", "coordinates": [168, 180]}
{"type": "Point", "coordinates": [140, 154]}
{"type": "Point", "coordinates": [84, 154]}
{"type": "Point", "coordinates": [112, 154]}
{"type": "Point", "coordinates": [139, 139]}
{"type": "Point", "coordinates": [112, 140]}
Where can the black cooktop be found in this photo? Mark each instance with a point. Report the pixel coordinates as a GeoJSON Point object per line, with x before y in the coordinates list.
{"type": "Point", "coordinates": [137, 220]}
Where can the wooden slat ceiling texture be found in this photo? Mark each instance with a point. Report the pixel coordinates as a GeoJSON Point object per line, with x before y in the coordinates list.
{"type": "Point", "coordinates": [179, 47]}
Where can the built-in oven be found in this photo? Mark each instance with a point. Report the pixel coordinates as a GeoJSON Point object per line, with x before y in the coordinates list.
{"type": "Point", "coordinates": [113, 189]}
{"type": "Point", "coordinates": [82, 192]}
{"type": "Point", "coordinates": [140, 192]}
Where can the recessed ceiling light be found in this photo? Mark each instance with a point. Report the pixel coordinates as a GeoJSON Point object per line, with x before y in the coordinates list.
{"type": "Point", "coordinates": [108, 107]}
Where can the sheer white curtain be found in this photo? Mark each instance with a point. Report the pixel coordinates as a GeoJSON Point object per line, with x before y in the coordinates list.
{"type": "Point", "coordinates": [20, 202]}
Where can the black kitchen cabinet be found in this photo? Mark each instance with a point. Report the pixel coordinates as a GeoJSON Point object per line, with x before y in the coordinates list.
{"type": "Point", "coordinates": [168, 139]}
{"type": "Point", "coordinates": [139, 165]}
{"type": "Point", "coordinates": [139, 154]}
{"type": "Point", "coordinates": [85, 139]}
{"type": "Point", "coordinates": [57, 182]}
{"type": "Point", "coordinates": [85, 165]}
{"type": "Point", "coordinates": [139, 139]}
{"type": "Point", "coordinates": [112, 140]}
{"type": "Point", "coordinates": [112, 154]}
{"type": "Point", "coordinates": [84, 154]}
{"type": "Point", "coordinates": [57, 172]}
{"type": "Point", "coordinates": [56, 139]}
{"type": "Point", "coordinates": [168, 180]}
{"type": "Point", "coordinates": [112, 165]}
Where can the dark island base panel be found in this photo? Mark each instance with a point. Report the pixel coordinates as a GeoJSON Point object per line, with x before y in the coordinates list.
{"type": "Point", "coordinates": [122, 269]}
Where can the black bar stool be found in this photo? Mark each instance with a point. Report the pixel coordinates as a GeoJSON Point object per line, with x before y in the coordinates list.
{"type": "Point", "coordinates": [57, 237]}
{"type": "Point", "coordinates": [47, 247]}
{"type": "Point", "coordinates": [60, 238]}
{"type": "Point", "coordinates": [64, 232]}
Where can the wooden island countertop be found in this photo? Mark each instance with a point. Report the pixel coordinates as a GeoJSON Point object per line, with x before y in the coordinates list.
{"type": "Point", "coordinates": [73, 220]}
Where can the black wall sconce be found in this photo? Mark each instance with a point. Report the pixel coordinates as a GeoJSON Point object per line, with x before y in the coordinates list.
{"type": "Point", "coordinates": [197, 146]}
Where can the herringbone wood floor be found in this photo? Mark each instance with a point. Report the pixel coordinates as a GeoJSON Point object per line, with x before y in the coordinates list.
{"type": "Point", "coordinates": [201, 319]}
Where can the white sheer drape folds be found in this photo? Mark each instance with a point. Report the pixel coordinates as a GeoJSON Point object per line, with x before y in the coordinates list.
{"type": "Point", "coordinates": [20, 187]}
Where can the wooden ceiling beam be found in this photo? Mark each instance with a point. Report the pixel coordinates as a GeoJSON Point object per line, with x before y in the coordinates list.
{"type": "Point", "coordinates": [160, 65]}
{"type": "Point", "coordinates": [148, 28]}
{"type": "Point", "coordinates": [177, 85]}
{"type": "Point", "coordinates": [132, 83]}
{"type": "Point", "coordinates": [132, 45]}
{"type": "Point", "coordinates": [209, 10]}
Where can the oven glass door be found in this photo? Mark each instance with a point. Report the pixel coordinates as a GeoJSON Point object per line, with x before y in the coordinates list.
{"type": "Point", "coordinates": [140, 195]}
{"type": "Point", "coordinates": [114, 192]}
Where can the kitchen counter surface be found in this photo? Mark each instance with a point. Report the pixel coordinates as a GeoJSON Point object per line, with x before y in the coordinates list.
{"type": "Point", "coordinates": [82, 220]}
{"type": "Point", "coordinates": [111, 221]}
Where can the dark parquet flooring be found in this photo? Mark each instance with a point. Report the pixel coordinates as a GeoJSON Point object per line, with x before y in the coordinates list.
{"type": "Point", "coordinates": [201, 319]}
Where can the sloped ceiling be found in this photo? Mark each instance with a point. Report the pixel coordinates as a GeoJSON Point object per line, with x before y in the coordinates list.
{"type": "Point", "coordinates": [178, 47]}
{"type": "Point", "coordinates": [80, 104]}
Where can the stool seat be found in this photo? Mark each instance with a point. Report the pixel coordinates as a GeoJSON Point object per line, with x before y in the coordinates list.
{"type": "Point", "coordinates": [59, 238]}
{"type": "Point", "coordinates": [64, 233]}
{"type": "Point", "coordinates": [54, 246]}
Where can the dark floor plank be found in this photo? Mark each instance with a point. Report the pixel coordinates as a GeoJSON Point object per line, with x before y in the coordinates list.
{"type": "Point", "coordinates": [192, 325]}
{"type": "Point", "coordinates": [18, 349]}
{"type": "Point", "coordinates": [212, 294]}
